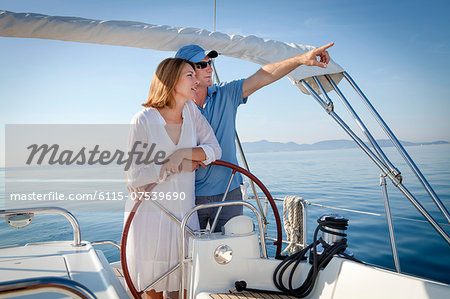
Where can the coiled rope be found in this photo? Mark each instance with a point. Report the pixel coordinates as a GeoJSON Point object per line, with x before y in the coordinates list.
{"type": "Point", "coordinates": [292, 221]}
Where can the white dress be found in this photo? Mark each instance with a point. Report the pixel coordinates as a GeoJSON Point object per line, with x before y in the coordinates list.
{"type": "Point", "coordinates": [154, 238]}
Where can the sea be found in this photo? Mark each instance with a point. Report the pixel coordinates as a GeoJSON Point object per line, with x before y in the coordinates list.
{"type": "Point", "coordinates": [345, 181]}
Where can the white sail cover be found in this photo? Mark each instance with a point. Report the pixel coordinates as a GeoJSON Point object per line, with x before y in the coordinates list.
{"type": "Point", "coordinates": [163, 38]}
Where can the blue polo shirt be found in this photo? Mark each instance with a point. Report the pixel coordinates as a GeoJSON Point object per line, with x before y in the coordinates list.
{"type": "Point", "coordinates": [220, 110]}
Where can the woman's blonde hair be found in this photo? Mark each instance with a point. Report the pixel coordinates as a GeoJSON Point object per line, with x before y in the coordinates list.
{"type": "Point", "coordinates": [164, 81]}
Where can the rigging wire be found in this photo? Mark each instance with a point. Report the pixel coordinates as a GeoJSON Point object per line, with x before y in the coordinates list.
{"type": "Point", "coordinates": [355, 211]}
{"type": "Point", "coordinates": [215, 6]}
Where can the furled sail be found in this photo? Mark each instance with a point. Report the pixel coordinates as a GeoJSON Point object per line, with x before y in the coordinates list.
{"type": "Point", "coordinates": [163, 38]}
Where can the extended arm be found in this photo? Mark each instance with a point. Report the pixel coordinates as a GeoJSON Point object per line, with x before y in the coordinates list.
{"type": "Point", "coordinates": [273, 71]}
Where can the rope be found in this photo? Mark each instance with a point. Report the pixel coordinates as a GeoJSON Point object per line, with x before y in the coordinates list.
{"type": "Point", "coordinates": [283, 276]}
{"type": "Point", "coordinates": [292, 221]}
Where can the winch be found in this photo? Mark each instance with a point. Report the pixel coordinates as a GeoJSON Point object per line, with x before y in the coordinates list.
{"type": "Point", "coordinates": [322, 250]}
{"type": "Point", "coordinates": [333, 227]}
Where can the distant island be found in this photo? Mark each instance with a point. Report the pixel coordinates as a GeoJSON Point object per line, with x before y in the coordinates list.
{"type": "Point", "coordinates": [264, 146]}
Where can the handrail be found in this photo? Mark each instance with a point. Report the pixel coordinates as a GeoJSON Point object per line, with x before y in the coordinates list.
{"type": "Point", "coordinates": [401, 150]}
{"type": "Point", "coordinates": [389, 223]}
{"type": "Point", "coordinates": [365, 130]}
{"type": "Point", "coordinates": [381, 165]}
{"type": "Point", "coordinates": [45, 284]}
{"type": "Point", "coordinates": [51, 210]}
{"type": "Point", "coordinates": [214, 205]}
{"type": "Point", "coordinates": [216, 218]}
{"type": "Point", "coordinates": [167, 273]}
{"type": "Point", "coordinates": [265, 191]}
{"type": "Point", "coordinates": [123, 243]}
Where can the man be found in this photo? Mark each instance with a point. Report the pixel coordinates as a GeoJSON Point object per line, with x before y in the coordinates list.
{"type": "Point", "coordinates": [219, 103]}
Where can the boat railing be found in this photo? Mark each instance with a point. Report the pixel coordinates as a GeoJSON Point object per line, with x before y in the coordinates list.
{"type": "Point", "coordinates": [320, 93]}
{"type": "Point", "coordinates": [32, 286]}
{"type": "Point", "coordinates": [184, 260]}
{"type": "Point", "coordinates": [49, 210]}
{"type": "Point", "coordinates": [380, 159]}
{"type": "Point", "coordinates": [185, 228]}
{"type": "Point", "coordinates": [376, 154]}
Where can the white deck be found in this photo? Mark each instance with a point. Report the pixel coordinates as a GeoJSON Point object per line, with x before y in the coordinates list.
{"type": "Point", "coordinates": [340, 279]}
{"type": "Point", "coordinates": [60, 259]}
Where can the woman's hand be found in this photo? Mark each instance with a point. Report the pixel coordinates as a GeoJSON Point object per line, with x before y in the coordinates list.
{"type": "Point", "coordinates": [173, 163]}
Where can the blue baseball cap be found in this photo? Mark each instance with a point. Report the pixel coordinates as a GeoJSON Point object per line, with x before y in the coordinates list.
{"type": "Point", "coordinates": [194, 53]}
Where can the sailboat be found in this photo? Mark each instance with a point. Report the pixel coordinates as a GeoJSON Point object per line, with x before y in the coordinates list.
{"type": "Point", "coordinates": [233, 263]}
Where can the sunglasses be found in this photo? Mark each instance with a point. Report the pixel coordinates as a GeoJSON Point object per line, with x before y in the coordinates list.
{"type": "Point", "coordinates": [202, 64]}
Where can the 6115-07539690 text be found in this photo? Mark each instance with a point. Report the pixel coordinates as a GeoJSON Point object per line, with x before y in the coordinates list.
{"type": "Point", "coordinates": [97, 195]}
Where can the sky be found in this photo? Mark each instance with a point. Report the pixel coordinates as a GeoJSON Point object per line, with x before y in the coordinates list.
{"type": "Point", "coordinates": [397, 52]}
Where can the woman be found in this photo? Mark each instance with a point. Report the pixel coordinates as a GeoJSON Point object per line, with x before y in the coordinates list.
{"type": "Point", "coordinates": [173, 134]}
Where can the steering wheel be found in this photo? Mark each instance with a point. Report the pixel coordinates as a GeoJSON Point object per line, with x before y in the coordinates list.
{"type": "Point", "coordinates": [123, 244]}
{"type": "Point", "coordinates": [266, 192]}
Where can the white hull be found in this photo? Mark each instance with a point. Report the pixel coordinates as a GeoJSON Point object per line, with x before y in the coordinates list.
{"type": "Point", "coordinates": [340, 279]}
